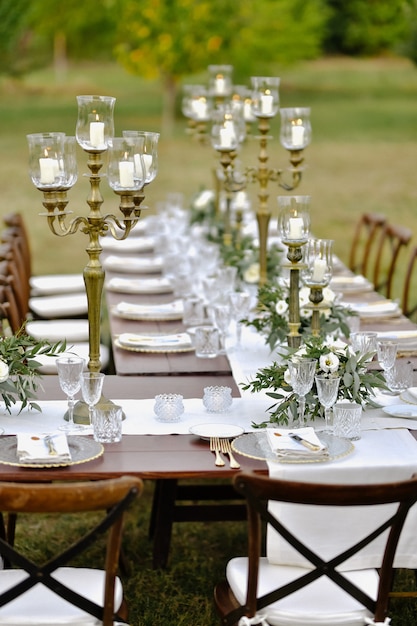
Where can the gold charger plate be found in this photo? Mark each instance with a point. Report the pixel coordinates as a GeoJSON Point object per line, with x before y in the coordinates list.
{"type": "Point", "coordinates": [82, 449]}
{"type": "Point", "coordinates": [256, 446]}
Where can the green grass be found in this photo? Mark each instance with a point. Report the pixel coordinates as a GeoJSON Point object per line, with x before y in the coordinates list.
{"type": "Point", "coordinates": [362, 158]}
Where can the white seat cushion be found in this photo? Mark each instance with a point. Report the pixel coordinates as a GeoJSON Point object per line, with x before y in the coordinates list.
{"type": "Point", "coordinates": [81, 349]}
{"type": "Point", "coordinates": [322, 603]}
{"type": "Point", "coordinates": [68, 305]}
{"type": "Point", "coordinates": [57, 330]}
{"type": "Point", "coordinates": [54, 284]}
{"type": "Point", "coordinates": [42, 607]}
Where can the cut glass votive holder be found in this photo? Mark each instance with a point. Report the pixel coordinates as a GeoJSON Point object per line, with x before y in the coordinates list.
{"type": "Point", "coordinates": [169, 407]}
{"type": "Point", "coordinates": [217, 399]}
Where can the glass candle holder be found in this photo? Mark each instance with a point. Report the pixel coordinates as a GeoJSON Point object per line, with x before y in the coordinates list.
{"type": "Point", "coordinates": [319, 263]}
{"type": "Point", "coordinates": [147, 146]}
{"type": "Point", "coordinates": [46, 160]}
{"type": "Point", "coordinates": [217, 399]}
{"type": "Point", "coordinates": [295, 128]}
{"type": "Point", "coordinates": [220, 80]}
{"type": "Point", "coordinates": [95, 124]}
{"type": "Point", "coordinates": [294, 218]}
{"type": "Point", "coordinates": [265, 96]}
{"type": "Point", "coordinates": [169, 407]}
{"type": "Point", "coordinates": [70, 168]}
{"type": "Point", "coordinates": [126, 168]}
{"type": "Point", "coordinates": [226, 131]}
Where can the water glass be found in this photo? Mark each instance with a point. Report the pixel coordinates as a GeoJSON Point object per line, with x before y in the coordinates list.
{"type": "Point", "coordinates": [217, 399]}
{"type": "Point", "coordinates": [107, 423]}
{"type": "Point", "coordinates": [386, 353]}
{"type": "Point", "coordinates": [206, 342]}
{"type": "Point", "coordinates": [169, 407]}
{"type": "Point", "coordinates": [400, 376]}
{"type": "Point", "coordinates": [193, 314]}
{"type": "Point", "coordinates": [347, 420]}
{"type": "Point", "coordinates": [364, 343]}
{"type": "Point", "coordinates": [327, 390]}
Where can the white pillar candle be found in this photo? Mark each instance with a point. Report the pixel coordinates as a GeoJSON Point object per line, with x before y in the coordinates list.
{"type": "Point", "coordinates": [297, 136]}
{"type": "Point", "coordinates": [48, 168]}
{"type": "Point", "coordinates": [97, 134]}
{"type": "Point", "coordinates": [126, 172]}
{"type": "Point", "coordinates": [220, 86]}
{"type": "Point", "coordinates": [200, 108]}
{"type": "Point", "coordinates": [295, 228]}
{"type": "Point", "coordinates": [142, 165]}
{"type": "Point", "coordinates": [319, 270]}
{"type": "Point", "coordinates": [226, 138]}
{"type": "Point", "coordinates": [267, 102]}
{"type": "Point", "coordinates": [147, 160]}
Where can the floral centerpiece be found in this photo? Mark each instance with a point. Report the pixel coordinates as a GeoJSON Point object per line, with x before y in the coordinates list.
{"type": "Point", "coordinates": [272, 312]}
{"type": "Point", "coordinates": [333, 359]}
{"type": "Point", "coordinates": [20, 369]}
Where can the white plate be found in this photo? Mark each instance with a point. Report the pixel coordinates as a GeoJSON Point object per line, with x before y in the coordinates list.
{"type": "Point", "coordinates": [169, 311]}
{"type": "Point", "coordinates": [179, 342]}
{"type": "Point", "coordinates": [371, 310]}
{"type": "Point", "coordinates": [401, 410]}
{"type": "Point", "coordinates": [127, 246]}
{"type": "Point", "coordinates": [133, 265]}
{"type": "Point", "coordinates": [224, 431]}
{"type": "Point", "coordinates": [143, 286]}
{"type": "Point", "coordinates": [409, 397]}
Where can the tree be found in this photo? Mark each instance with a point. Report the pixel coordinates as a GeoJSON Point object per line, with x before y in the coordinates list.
{"type": "Point", "coordinates": [170, 39]}
{"type": "Point", "coordinates": [12, 35]}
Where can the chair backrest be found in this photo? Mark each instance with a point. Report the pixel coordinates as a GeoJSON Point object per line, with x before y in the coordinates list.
{"type": "Point", "coordinates": [111, 496]}
{"type": "Point", "coordinates": [392, 239]}
{"type": "Point", "coordinates": [259, 490]}
{"type": "Point", "coordinates": [363, 243]}
{"type": "Point", "coordinates": [16, 222]}
{"type": "Point", "coordinates": [408, 308]}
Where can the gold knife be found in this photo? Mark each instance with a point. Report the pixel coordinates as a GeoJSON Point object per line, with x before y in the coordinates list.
{"type": "Point", "coordinates": [307, 444]}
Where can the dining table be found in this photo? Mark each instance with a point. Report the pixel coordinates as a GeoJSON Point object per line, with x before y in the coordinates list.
{"type": "Point", "coordinates": [176, 456]}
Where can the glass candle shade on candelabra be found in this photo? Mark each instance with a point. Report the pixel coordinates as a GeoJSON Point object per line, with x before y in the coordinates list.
{"type": "Point", "coordinates": [265, 96]}
{"type": "Point", "coordinates": [295, 128]}
{"type": "Point", "coordinates": [52, 161]}
{"type": "Point", "coordinates": [317, 275]}
{"type": "Point", "coordinates": [146, 143]}
{"type": "Point", "coordinates": [294, 228]}
{"type": "Point", "coordinates": [126, 168]}
{"type": "Point", "coordinates": [95, 125]}
{"type": "Point", "coordinates": [226, 132]}
{"type": "Point", "coordinates": [220, 80]}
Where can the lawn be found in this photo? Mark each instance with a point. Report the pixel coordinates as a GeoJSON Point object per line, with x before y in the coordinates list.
{"type": "Point", "coordinates": [362, 158]}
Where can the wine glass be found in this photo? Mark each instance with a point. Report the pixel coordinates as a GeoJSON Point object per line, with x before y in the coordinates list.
{"type": "Point", "coordinates": [327, 390]}
{"type": "Point", "coordinates": [91, 387]}
{"type": "Point", "coordinates": [222, 316]}
{"type": "Point", "coordinates": [69, 375]}
{"type": "Point", "coordinates": [387, 353]}
{"type": "Point", "coordinates": [240, 301]}
{"type": "Point", "coordinates": [302, 379]}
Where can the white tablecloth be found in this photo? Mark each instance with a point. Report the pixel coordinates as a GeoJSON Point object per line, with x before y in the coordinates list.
{"type": "Point", "coordinates": [379, 456]}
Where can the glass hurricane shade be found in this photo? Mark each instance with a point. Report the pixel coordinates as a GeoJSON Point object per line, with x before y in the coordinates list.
{"type": "Point", "coordinates": [294, 218]}
{"type": "Point", "coordinates": [95, 124]}
{"type": "Point", "coordinates": [265, 96]}
{"type": "Point", "coordinates": [52, 161]}
{"type": "Point", "coordinates": [295, 128]}
{"type": "Point", "coordinates": [319, 262]}
{"type": "Point", "coordinates": [146, 144]}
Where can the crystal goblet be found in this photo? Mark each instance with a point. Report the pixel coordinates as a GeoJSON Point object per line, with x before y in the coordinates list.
{"type": "Point", "coordinates": [91, 388]}
{"type": "Point", "coordinates": [327, 390]}
{"type": "Point", "coordinates": [302, 378]}
{"type": "Point", "coordinates": [387, 353]}
{"type": "Point", "coordinates": [69, 376]}
{"type": "Point", "coordinates": [222, 316]}
{"type": "Point", "coordinates": [240, 301]}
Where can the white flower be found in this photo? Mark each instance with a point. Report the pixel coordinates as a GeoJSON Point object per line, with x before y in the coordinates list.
{"type": "Point", "coordinates": [281, 307]}
{"type": "Point", "coordinates": [4, 371]}
{"type": "Point", "coordinates": [328, 295]}
{"type": "Point", "coordinates": [329, 362]}
{"type": "Point", "coordinates": [304, 296]}
{"type": "Point", "coordinates": [287, 376]}
{"type": "Point", "coordinates": [203, 199]}
{"type": "Point", "coordinates": [252, 274]}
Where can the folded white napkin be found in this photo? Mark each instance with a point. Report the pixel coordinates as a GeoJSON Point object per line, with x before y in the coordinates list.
{"type": "Point", "coordinates": [42, 448]}
{"type": "Point", "coordinates": [169, 308]}
{"type": "Point", "coordinates": [178, 340]}
{"type": "Point", "coordinates": [413, 392]}
{"type": "Point", "coordinates": [285, 446]}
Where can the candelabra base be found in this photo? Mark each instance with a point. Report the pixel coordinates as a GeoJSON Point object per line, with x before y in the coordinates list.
{"type": "Point", "coordinates": [81, 413]}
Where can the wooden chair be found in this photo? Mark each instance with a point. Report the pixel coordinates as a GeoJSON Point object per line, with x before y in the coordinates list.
{"type": "Point", "coordinates": [55, 592]}
{"type": "Point", "coordinates": [322, 594]}
{"type": "Point", "coordinates": [364, 239]}
{"type": "Point", "coordinates": [408, 308]}
{"type": "Point", "coordinates": [392, 239]}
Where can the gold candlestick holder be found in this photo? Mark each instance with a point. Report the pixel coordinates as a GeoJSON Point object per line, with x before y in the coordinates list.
{"type": "Point", "coordinates": [317, 275]}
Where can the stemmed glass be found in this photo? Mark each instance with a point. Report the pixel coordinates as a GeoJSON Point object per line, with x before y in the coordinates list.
{"type": "Point", "coordinates": [302, 379]}
{"type": "Point", "coordinates": [222, 315]}
{"type": "Point", "coordinates": [69, 375]}
{"type": "Point", "coordinates": [387, 353]}
{"type": "Point", "coordinates": [91, 387]}
{"type": "Point", "coordinates": [240, 301]}
{"type": "Point", "coordinates": [327, 390]}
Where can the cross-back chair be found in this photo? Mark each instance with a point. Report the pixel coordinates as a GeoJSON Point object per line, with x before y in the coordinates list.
{"type": "Point", "coordinates": [323, 594]}
{"type": "Point", "coordinates": [391, 241]}
{"type": "Point", "coordinates": [363, 246]}
{"type": "Point", "coordinates": [408, 307]}
{"type": "Point", "coordinates": [54, 592]}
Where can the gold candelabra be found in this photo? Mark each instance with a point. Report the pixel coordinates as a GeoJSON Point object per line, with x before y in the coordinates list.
{"type": "Point", "coordinates": [132, 163]}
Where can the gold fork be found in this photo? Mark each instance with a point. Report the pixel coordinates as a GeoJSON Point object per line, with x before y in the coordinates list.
{"type": "Point", "coordinates": [215, 447]}
{"type": "Point", "coordinates": [226, 448]}
{"type": "Point", "coordinates": [50, 445]}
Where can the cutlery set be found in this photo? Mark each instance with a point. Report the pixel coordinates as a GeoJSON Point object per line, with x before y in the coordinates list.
{"type": "Point", "coordinates": [223, 446]}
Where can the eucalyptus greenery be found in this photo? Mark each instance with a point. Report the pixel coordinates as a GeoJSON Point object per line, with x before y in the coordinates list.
{"type": "Point", "coordinates": [20, 369]}
{"type": "Point", "coordinates": [271, 316]}
{"type": "Point", "coordinates": [357, 384]}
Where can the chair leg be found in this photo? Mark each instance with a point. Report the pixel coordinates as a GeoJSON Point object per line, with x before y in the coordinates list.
{"type": "Point", "coordinates": [162, 517]}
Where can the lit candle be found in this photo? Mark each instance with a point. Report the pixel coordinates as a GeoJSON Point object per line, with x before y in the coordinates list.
{"type": "Point", "coordinates": [319, 270]}
{"type": "Point", "coordinates": [297, 135]}
{"type": "Point", "coordinates": [147, 160]}
{"type": "Point", "coordinates": [247, 111]}
{"type": "Point", "coordinates": [143, 164]}
{"type": "Point", "coordinates": [200, 108]}
{"type": "Point", "coordinates": [295, 228]}
{"type": "Point", "coordinates": [267, 103]}
{"type": "Point", "coordinates": [97, 134]}
{"type": "Point", "coordinates": [48, 169]}
{"type": "Point", "coordinates": [220, 85]}
{"type": "Point", "coordinates": [126, 172]}
{"type": "Point", "coordinates": [226, 137]}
